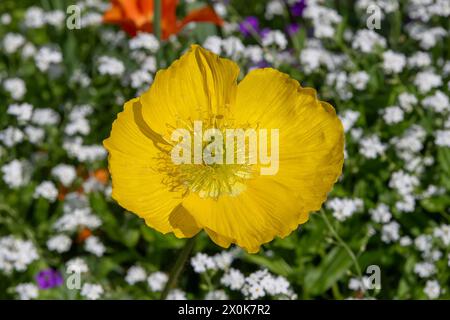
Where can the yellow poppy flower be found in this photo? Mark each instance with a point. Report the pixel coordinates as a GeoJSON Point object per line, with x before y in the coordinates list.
{"type": "Point", "coordinates": [232, 202]}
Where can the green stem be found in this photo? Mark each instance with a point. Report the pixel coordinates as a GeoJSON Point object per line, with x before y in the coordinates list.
{"type": "Point", "coordinates": [178, 267]}
{"type": "Point", "coordinates": [157, 13]}
{"type": "Point", "coordinates": [342, 243]}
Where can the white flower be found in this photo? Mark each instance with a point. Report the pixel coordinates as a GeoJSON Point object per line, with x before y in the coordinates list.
{"type": "Point", "coordinates": [371, 147]}
{"type": "Point", "coordinates": [11, 136]}
{"type": "Point", "coordinates": [202, 262]}
{"type": "Point", "coordinates": [432, 289]}
{"type": "Point", "coordinates": [65, 173]}
{"type": "Point", "coordinates": [92, 291]}
{"type": "Point", "coordinates": [427, 80]}
{"type": "Point", "coordinates": [359, 80]}
{"type": "Point", "coordinates": [22, 111]}
{"type": "Point", "coordinates": [12, 42]}
{"type": "Point", "coordinates": [55, 18]}
{"type": "Point", "coordinates": [14, 174]}
{"type": "Point", "coordinates": [59, 243]}
{"type": "Point", "coordinates": [405, 241]}
{"type": "Point", "coordinates": [91, 19]}
{"type": "Point", "coordinates": [419, 59]}
{"type": "Point", "coordinates": [407, 101]}
{"type": "Point", "coordinates": [140, 79]}
{"type": "Point", "coordinates": [367, 40]}
{"type": "Point", "coordinates": [344, 208]}
{"type": "Point", "coordinates": [381, 214]}
{"type": "Point", "coordinates": [406, 204]}
{"type": "Point", "coordinates": [443, 233]}
{"type": "Point", "coordinates": [34, 135]}
{"type": "Point", "coordinates": [47, 57]}
{"type": "Point", "coordinates": [76, 265]}
{"type": "Point", "coordinates": [15, 87]}
{"type": "Point", "coordinates": [274, 8]}
{"type": "Point", "coordinates": [78, 126]}
{"type": "Point", "coordinates": [34, 17]}
{"type": "Point", "coordinates": [423, 243]}
{"type": "Point", "coordinates": [176, 294]}
{"type": "Point", "coordinates": [110, 66]}
{"type": "Point", "coordinates": [233, 47]}
{"type": "Point", "coordinates": [424, 269]}
{"type": "Point", "coordinates": [393, 62]}
{"type": "Point", "coordinates": [442, 138]}
{"type": "Point", "coordinates": [46, 190]}
{"type": "Point", "coordinates": [84, 153]}
{"type": "Point", "coordinates": [254, 53]}
{"type": "Point", "coordinates": [214, 44]}
{"type": "Point", "coordinates": [157, 280]}
{"type": "Point", "coordinates": [45, 116]}
{"type": "Point", "coordinates": [275, 37]}
{"type": "Point", "coordinates": [94, 246]}
{"type": "Point", "coordinates": [16, 254]}
{"type": "Point", "coordinates": [28, 50]}
{"type": "Point", "coordinates": [233, 279]}
{"type": "Point", "coordinates": [5, 19]}
{"type": "Point", "coordinates": [348, 118]}
{"type": "Point", "coordinates": [144, 41]}
{"type": "Point", "coordinates": [262, 283]}
{"type": "Point", "coordinates": [393, 114]}
{"type": "Point", "coordinates": [27, 291]}
{"type": "Point", "coordinates": [403, 182]}
{"type": "Point", "coordinates": [216, 295]}
{"type": "Point", "coordinates": [223, 260]}
{"type": "Point", "coordinates": [79, 217]}
{"type": "Point", "coordinates": [390, 232]}
{"type": "Point", "coordinates": [438, 102]}
{"type": "Point", "coordinates": [135, 274]}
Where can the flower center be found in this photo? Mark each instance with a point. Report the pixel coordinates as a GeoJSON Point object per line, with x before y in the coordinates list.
{"type": "Point", "coordinates": [201, 175]}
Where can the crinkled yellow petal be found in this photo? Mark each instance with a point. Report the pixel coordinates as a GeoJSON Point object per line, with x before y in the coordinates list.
{"type": "Point", "coordinates": [261, 212]}
{"type": "Point", "coordinates": [311, 134]}
{"type": "Point", "coordinates": [194, 87]}
{"type": "Point", "coordinates": [136, 184]}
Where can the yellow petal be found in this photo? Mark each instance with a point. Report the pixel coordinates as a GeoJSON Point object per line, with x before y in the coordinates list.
{"type": "Point", "coordinates": [136, 184]}
{"type": "Point", "coordinates": [196, 86]}
{"type": "Point", "coordinates": [261, 212]}
{"type": "Point", "coordinates": [183, 224]}
{"type": "Point", "coordinates": [311, 135]}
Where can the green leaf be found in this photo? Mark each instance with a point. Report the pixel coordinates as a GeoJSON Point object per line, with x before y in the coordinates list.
{"type": "Point", "coordinates": [330, 270]}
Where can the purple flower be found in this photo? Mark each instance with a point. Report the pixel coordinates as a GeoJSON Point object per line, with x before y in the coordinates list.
{"type": "Point", "coordinates": [259, 65]}
{"type": "Point", "coordinates": [264, 32]}
{"type": "Point", "coordinates": [49, 278]}
{"type": "Point", "coordinates": [298, 8]}
{"type": "Point", "coordinates": [249, 26]}
{"type": "Point", "coordinates": [292, 28]}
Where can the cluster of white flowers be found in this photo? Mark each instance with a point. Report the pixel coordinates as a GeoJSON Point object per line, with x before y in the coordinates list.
{"type": "Point", "coordinates": [78, 217]}
{"type": "Point", "coordinates": [59, 243]}
{"type": "Point", "coordinates": [15, 87]}
{"type": "Point", "coordinates": [344, 208]}
{"type": "Point", "coordinates": [110, 66]}
{"type": "Point", "coordinates": [47, 57]}
{"type": "Point", "coordinates": [46, 190]}
{"type": "Point", "coordinates": [135, 274]}
{"type": "Point", "coordinates": [157, 280]}
{"type": "Point", "coordinates": [15, 173]}
{"type": "Point", "coordinates": [16, 254]}
{"type": "Point", "coordinates": [92, 291]}
{"type": "Point", "coordinates": [94, 246]}
{"type": "Point", "coordinates": [27, 291]}
{"type": "Point", "coordinates": [371, 147]}
{"type": "Point", "coordinates": [201, 262]}
{"type": "Point", "coordinates": [261, 283]}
